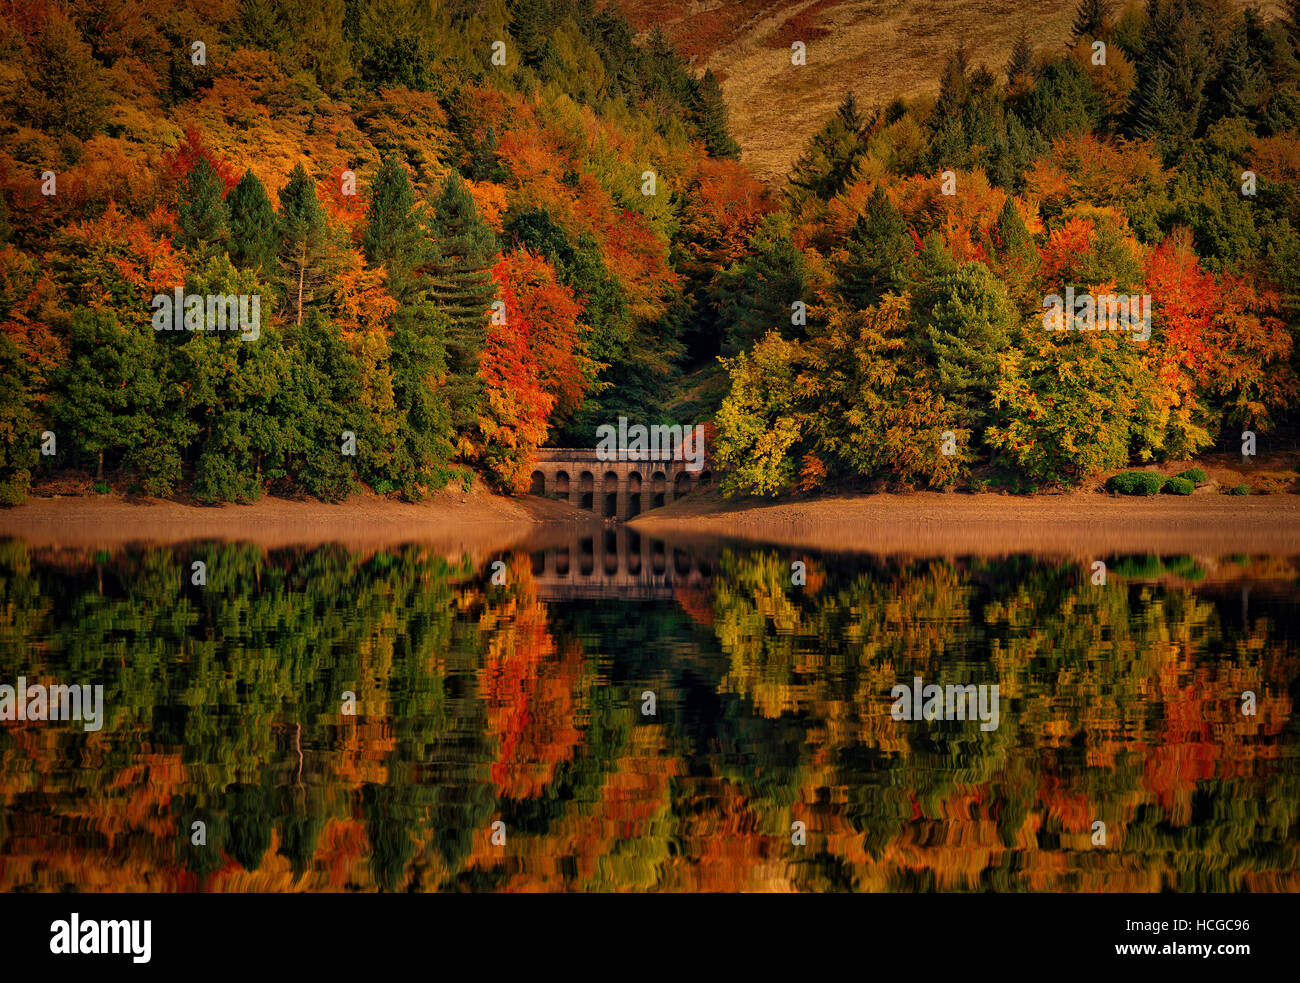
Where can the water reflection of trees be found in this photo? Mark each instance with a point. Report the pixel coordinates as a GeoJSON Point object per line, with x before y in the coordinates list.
{"type": "Point", "coordinates": [480, 702]}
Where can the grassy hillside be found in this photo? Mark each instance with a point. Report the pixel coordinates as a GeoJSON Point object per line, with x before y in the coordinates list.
{"type": "Point", "coordinates": [879, 48]}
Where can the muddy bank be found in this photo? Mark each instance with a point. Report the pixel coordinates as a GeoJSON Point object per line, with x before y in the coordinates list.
{"type": "Point", "coordinates": [938, 524]}
{"type": "Point", "coordinates": [450, 521]}
{"type": "Point", "coordinates": [925, 523]}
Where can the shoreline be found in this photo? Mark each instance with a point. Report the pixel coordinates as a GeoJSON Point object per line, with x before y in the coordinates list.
{"type": "Point", "coordinates": [1080, 524]}
{"type": "Point", "coordinates": [919, 523]}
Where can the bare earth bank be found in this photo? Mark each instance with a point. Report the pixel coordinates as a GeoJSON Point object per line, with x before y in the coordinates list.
{"type": "Point", "coordinates": [937, 524]}
{"type": "Point", "coordinates": [449, 521]}
{"type": "Point", "coordinates": [923, 523]}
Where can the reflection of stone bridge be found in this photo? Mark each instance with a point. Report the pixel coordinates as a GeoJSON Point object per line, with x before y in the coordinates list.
{"type": "Point", "coordinates": [616, 563]}
{"type": "Point", "coordinates": [613, 489]}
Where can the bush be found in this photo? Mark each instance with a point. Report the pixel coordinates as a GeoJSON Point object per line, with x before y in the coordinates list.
{"type": "Point", "coordinates": [1178, 486]}
{"type": "Point", "coordinates": [1135, 483]}
{"type": "Point", "coordinates": [102, 488]}
{"type": "Point", "coordinates": [1239, 490]}
{"type": "Point", "coordinates": [1196, 476]}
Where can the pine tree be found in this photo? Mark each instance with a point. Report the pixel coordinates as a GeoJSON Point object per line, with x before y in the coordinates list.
{"type": "Point", "coordinates": [712, 114]}
{"type": "Point", "coordinates": [1092, 20]}
{"type": "Point", "coordinates": [831, 160]}
{"type": "Point", "coordinates": [305, 242]}
{"type": "Point", "coordinates": [253, 238]}
{"type": "Point", "coordinates": [204, 216]}
{"type": "Point", "coordinates": [394, 237]}
{"type": "Point", "coordinates": [879, 250]}
{"type": "Point", "coordinates": [1160, 118]}
{"type": "Point", "coordinates": [966, 323]}
{"type": "Point", "coordinates": [1013, 247]}
{"type": "Point", "coordinates": [1020, 69]}
{"type": "Point", "coordinates": [463, 251]}
{"type": "Point", "coordinates": [953, 89]}
{"type": "Point", "coordinates": [1241, 86]}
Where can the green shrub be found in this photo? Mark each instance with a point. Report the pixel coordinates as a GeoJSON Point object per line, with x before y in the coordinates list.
{"type": "Point", "coordinates": [1177, 486]}
{"type": "Point", "coordinates": [1196, 476]}
{"type": "Point", "coordinates": [1239, 490]}
{"type": "Point", "coordinates": [1135, 483]}
{"type": "Point", "coordinates": [102, 488]}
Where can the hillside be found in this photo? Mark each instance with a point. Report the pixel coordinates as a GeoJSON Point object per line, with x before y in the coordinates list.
{"type": "Point", "coordinates": [881, 49]}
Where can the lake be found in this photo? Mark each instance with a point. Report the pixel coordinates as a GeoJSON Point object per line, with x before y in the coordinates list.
{"type": "Point", "coordinates": [601, 711]}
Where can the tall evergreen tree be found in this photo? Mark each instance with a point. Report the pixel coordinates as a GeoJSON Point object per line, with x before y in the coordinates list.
{"type": "Point", "coordinates": [1020, 69]}
{"type": "Point", "coordinates": [1160, 118]}
{"type": "Point", "coordinates": [712, 114]}
{"type": "Point", "coordinates": [966, 323]}
{"type": "Point", "coordinates": [1092, 20]}
{"type": "Point", "coordinates": [830, 161]}
{"type": "Point", "coordinates": [394, 237]}
{"type": "Point", "coordinates": [879, 250]}
{"type": "Point", "coordinates": [463, 251]}
{"type": "Point", "coordinates": [253, 239]}
{"type": "Point", "coordinates": [204, 216]}
{"type": "Point", "coordinates": [305, 242]}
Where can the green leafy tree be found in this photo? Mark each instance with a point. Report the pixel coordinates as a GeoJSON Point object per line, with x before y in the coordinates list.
{"type": "Point", "coordinates": [756, 294]}
{"type": "Point", "coordinates": [63, 88]}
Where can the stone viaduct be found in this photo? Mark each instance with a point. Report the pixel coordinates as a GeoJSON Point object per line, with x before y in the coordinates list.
{"type": "Point", "coordinates": [613, 489]}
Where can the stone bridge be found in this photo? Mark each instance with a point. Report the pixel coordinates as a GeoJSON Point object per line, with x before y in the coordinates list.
{"type": "Point", "coordinates": [613, 489]}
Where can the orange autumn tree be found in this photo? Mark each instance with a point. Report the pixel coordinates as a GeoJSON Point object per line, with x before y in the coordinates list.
{"type": "Point", "coordinates": [557, 335]}
{"type": "Point", "coordinates": [518, 407]}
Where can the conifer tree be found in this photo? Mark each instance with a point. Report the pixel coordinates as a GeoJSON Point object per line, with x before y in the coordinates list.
{"type": "Point", "coordinates": [204, 216]}
{"type": "Point", "coordinates": [712, 114]}
{"type": "Point", "coordinates": [463, 251]}
{"type": "Point", "coordinates": [1240, 86]}
{"type": "Point", "coordinates": [831, 160]}
{"type": "Point", "coordinates": [966, 323]}
{"type": "Point", "coordinates": [253, 238]}
{"type": "Point", "coordinates": [1013, 246]}
{"type": "Point", "coordinates": [394, 237]}
{"type": "Point", "coordinates": [1092, 20]}
{"type": "Point", "coordinates": [1160, 119]}
{"type": "Point", "coordinates": [305, 242]}
{"type": "Point", "coordinates": [1020, 69]}
{"type": "Point", "coordinates": [879, 250]}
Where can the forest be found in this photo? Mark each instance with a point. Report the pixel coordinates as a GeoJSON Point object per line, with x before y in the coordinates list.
{"type": "Point", "coordinates": [476, 228]}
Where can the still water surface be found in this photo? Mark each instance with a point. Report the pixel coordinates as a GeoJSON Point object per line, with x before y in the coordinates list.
{"type": "Point", "coordinates": [632, 715]}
